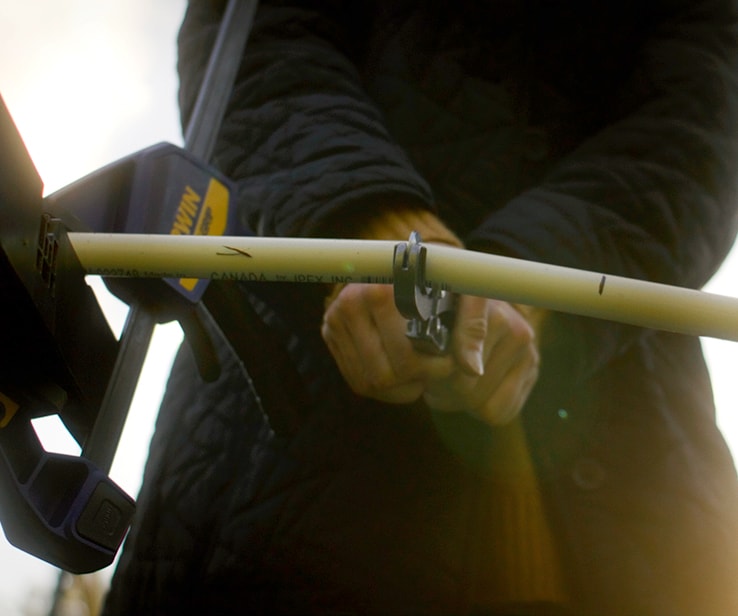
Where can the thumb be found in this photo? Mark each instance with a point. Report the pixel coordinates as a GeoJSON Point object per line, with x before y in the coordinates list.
{"type": "Point", "coordinates": [470, 333]}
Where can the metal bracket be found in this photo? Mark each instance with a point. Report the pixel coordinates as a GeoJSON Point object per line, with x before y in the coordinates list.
{"type": "Point", "coordinates": [428, 307]}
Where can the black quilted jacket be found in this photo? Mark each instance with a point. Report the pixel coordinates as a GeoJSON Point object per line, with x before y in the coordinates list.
{"type": "Point", "coordinates": [597, 135]}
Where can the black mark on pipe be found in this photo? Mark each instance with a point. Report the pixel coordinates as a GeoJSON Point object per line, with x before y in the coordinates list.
{"type": "Point", "coordinates": [602, 284]}
{"type": "Point", "coordinates": [236, 251]}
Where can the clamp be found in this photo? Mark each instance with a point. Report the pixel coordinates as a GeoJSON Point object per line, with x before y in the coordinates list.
{"type": "Point", "coordinates": [428, 306]}
{"type": "Point", "coordinates": [65, 509]}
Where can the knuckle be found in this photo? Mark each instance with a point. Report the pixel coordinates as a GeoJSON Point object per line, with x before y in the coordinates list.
{"type": "Point", "coordinates": [376, 294]}
{"type": "Point", "coordinates": [332, 319]}
{"type": "Point", "coordinates": [497, 313]}
{"type": "Point", "coordinates": [535, 357]}
{"type": "Point", "coordinates": [496, 414]}
{"type": "Point", "coordinates": [350, 298]}
{"type": "Point", "coordinates": [521, 330]}
{"type": "Point", "coordinates": [510, 397]}
{"type": "Point", "coordinates": [475, 327]}
{"type": "Point", "coordinates": [376, 379]}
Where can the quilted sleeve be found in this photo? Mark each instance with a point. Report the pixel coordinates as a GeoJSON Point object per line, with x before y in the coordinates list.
{"type": "Point", "coordinates": [652, 196]}
{"type": "Point", "coordinates": [300, 134]}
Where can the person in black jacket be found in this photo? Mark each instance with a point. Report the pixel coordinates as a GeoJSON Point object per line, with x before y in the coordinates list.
{"type": "Point", "coordinates": [549, 463]}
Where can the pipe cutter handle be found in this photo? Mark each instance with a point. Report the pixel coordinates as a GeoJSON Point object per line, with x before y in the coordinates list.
{"type": "Point", "coordinates": [428, 307]}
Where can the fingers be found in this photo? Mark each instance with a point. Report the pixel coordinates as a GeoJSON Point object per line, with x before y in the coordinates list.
{"type": "Point", "coordinates": [507, 400]}
{"type": "Point", "coordinates": [490, 372]}
{"type": "Point", "coordinates": [366, 336]}
{"type": "Point", "coordinates": [496, 335]}
{"type": "Point", "coordinates": [470, 334]}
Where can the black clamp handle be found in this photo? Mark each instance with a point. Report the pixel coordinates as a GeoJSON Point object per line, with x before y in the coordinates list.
{"type": "Point", "coordinates": [428, 307]}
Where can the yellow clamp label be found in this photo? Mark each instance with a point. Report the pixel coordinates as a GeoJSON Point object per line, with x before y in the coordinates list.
{"type": "Point", "coordinates": [8, 408]}
{"type": "Point", "coordinates": [196, 216]}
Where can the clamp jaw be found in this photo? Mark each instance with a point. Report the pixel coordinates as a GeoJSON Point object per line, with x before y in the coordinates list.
{"type": "Point", "coordinates": [63, 509]}
{"type": "Point", "coordinates": [58, 354]}
{"type": "Point", "coordinates": [428, 307]}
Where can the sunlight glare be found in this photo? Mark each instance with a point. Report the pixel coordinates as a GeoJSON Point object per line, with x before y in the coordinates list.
{"type": "Point", "coordinates": [90, 81]}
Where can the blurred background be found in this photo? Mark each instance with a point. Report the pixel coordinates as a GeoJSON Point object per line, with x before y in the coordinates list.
{"type": "Point", "coordinates": [87, 82]}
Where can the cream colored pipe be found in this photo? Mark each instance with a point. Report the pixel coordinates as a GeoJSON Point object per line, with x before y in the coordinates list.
{"type": "Point", "coordinates": [563, 289]}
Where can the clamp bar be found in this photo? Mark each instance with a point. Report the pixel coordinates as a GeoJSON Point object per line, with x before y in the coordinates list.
{"type": "Point", "coordinates": [200, 137]}
{"type": "Point", "coordinates": [225, 58]}
{"type": "Point", "coordinates": [135, 338]}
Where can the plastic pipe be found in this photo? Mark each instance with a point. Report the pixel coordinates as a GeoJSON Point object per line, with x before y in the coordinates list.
{"type": "Point", "coordinates": [570, 290]}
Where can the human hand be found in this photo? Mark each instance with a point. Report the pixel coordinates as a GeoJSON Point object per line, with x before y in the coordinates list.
{"type": "Point", "coordinates": [490, 371]}
{"type": "Point", "coordinates": [496, 360]}
{"type": "Point", "coordinates": [365, 333]}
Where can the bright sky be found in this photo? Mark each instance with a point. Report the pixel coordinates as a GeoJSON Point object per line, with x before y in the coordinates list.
{"type": "Point", "coordinates": [89, 81]}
